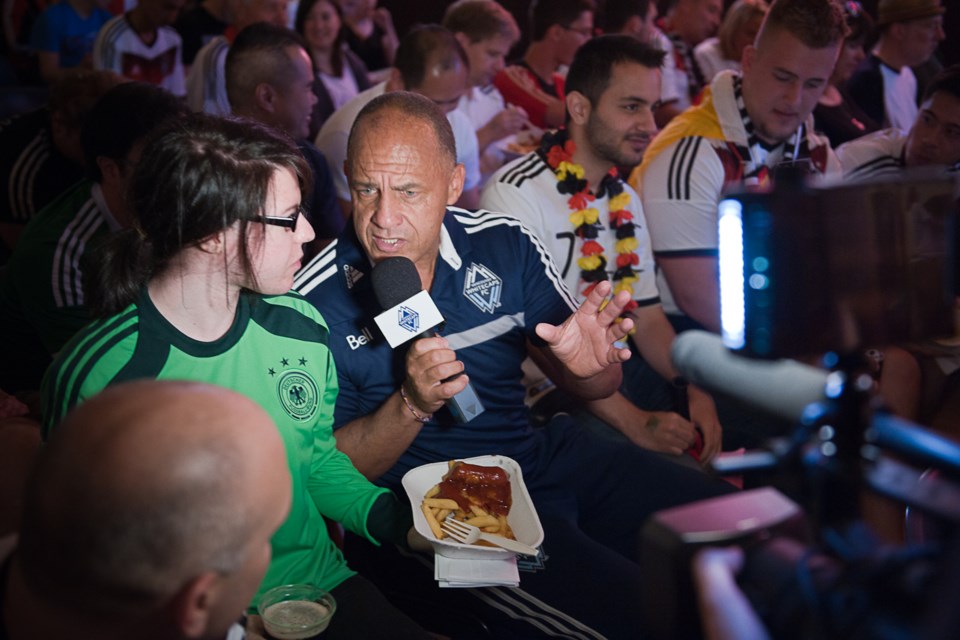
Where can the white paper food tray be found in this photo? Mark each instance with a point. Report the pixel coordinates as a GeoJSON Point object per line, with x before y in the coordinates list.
{"type": "Point", "coordinates": [523, 517]}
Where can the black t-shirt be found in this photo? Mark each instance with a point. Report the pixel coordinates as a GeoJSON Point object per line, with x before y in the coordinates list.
{"type": "Point", "coordinates": [370, 50]}
{"type": "Point", "coordinates": [197, 27]}
{"type": "Point", "coordinates": [843, 122]}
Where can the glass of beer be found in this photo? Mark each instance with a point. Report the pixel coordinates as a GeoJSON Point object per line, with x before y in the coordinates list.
{"type": "Point", "coordinates": [296, 611]}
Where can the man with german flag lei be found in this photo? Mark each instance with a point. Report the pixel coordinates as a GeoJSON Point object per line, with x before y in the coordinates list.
{"type": "Point", "coordinates": [569, 193]}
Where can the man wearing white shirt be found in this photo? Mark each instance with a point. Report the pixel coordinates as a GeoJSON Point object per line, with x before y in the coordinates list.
{"type": "Point", "coordinates": [686, 24]}
{"type": "Point", "coordinates": [206, 82]}
{"type": "Point", "coordinates": [745, 126]}
{"type": "Point", "coordinates": [933, 140]}
{"type": "Point", "coordinates": [432, 63]}
{"type": "Point", "coordinates": [487, 32]}
{"type": "Point", "coordinates": [638, 18]}
{"type": "Point", "coordinates": [884, 85]}
{"type": "Point", "coordinates": [141, 45]}
{"type": "Point", "coordinates": [612, 87]}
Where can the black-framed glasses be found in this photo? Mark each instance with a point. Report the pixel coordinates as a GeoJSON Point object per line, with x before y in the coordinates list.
{"type": "Point", "coordinates": [287, 222]}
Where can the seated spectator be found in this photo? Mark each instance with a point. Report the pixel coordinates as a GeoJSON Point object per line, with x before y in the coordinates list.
{"type": "Point", "coordinates": [884, 86]}
{"type": "Point", "coordinates": [747, 124]}
{"type": "Point", "coordinates": [148, 516]}
{"type": "Point", "coordinates": [43, 295]}
{"type": "Point", "coordinates": [206, 86]}
{"type": "Point", "coordinates": [933, 139]}
{"type": "Point", "coordinates": [141, 45]}
{"type": "Point", "coordinates": [612, 88]}
{"type": "Point", "coordinates": [431, 62]}
{"type": "Point", "coordinates": [270, 79]}
{"type": "Point", "coordinates": [199, 24]}
{"type": "Point", "coordinates": [738, 29]}
{"type": "Point", "coordinates": [500, 299]}
{"type": "Point", "coordinates": [535, 83]}
{"type": "Point", "coordinates": [487, 32]}
{"type": "Point", "coordinates": [40, 153]}
{"type": "Point", "coordinates": [836, 115]}
{"type": "Point", "coordinates": [340, 73]}
{"type": "Point", "coordinates": [370, 34]}
{"type": "Point", "coordinates": [64, 34]}
{"type": "Point", "coordinates": [686, 24]}
{"type": "Point", "coordinates": [638, 18]}
{"type": "Point", "coordinates": [200, 291]}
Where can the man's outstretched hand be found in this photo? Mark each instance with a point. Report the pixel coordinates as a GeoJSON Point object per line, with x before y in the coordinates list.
{"type": "Point", "coordinates": [588, 341]}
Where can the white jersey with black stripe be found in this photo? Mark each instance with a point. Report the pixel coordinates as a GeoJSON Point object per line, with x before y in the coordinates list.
{"type": "Point", "coordinates": [874, 155]}
{"type": "Point", "coordinates": [120, 49]}
{"type": "Point", "coordinates": [206, 82]}
{"type": "Point", "coordinates": [527, 188]}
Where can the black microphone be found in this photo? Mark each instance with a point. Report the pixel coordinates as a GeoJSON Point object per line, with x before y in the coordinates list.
{"type": "Point", "coordinates": [395, 282]}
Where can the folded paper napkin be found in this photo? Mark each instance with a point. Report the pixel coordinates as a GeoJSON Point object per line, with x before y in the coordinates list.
{"type": "Point", "coordinates": [464, 572]}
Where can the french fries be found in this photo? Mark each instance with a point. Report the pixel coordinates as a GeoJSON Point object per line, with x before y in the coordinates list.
{"type": "Point", "coordinates": [436, 510]}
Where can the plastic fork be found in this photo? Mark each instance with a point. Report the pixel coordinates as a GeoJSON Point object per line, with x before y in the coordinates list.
{"type": "Point", "coordinates": [469, 534]}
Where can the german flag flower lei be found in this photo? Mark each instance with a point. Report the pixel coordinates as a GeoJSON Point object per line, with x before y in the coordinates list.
{"type": "Point", "coordinates": [557, 149]}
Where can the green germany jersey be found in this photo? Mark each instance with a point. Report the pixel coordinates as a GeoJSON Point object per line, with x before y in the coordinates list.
{"type": "Point", "coordinates": [275, 353]}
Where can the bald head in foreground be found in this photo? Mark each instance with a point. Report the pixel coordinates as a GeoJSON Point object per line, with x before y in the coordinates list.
{"type": "Point", "coordinates": [148, 515]}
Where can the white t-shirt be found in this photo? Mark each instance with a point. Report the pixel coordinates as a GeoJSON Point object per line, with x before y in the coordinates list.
{"type": "Point", "coordinates": [873, 155]}
{"type": "Point", "coordinates": [333, 136]}
{"type": "Point", "coordinates": [207, 80]}
{"type": "Point", "coordinates": [899, 97]}
{"type": "Point", "coordinates": [675, 85]}
{"type": "Point", "coordinates": [480, 105]}
{"type": "Point", "coordinates": [118, 48]}
{"type": "Point", "coordinates": [710, 58]}
{"type": "Point", "coordinates": [342, 89]}
{"type": "Point", "coordinates": [527, 189]}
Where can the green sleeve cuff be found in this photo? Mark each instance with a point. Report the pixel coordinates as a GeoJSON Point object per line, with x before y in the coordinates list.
{"type": "Point", "coordinates": [389, 520]}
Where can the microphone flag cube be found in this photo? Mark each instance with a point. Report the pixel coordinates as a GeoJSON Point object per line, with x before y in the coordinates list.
{"type": "Point", "coordinates": [409, 319]}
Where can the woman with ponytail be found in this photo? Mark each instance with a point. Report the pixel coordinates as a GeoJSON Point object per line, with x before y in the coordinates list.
{"type": "Point", "coordinates": [199, 290]}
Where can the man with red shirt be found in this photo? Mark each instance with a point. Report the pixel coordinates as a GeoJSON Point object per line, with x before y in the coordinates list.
{"type": "Point", "coordinates": [535, 83]}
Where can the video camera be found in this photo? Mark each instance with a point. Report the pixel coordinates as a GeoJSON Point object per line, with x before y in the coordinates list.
{"type": "Point", "coordinates": [808, 270]}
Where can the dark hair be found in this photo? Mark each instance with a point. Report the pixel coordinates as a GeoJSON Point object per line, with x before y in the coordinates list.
{"type": "Point", "coordinates": [947, 80]}
{"type": "Point", "coordinates": [546, 13]}
{"type": "Point", "coordinates": [424, 45]}
{"type": "Point", "coordinates": [77, 90]}
{"type": "Point", "coordinates": [408, 104]}
{"type": "Point", "coordinates": [336, 54]}
{"type": "Point", "coordinates": [481, 20]}
{"type": "Point", "coordinates": [816, 23]}
{"type": "Point", "coordinates": [259, 54]}
{"type": "Point", "coordinates": [617, 12]}
{"type": "Point", "coordinates": [593, 63]}
{"type": "Point", "coordinates": [196, 178]}
{"type": "Point", "coordinates": [859, 22]}
{"type": "Point", "coordinates": [123, 116]}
